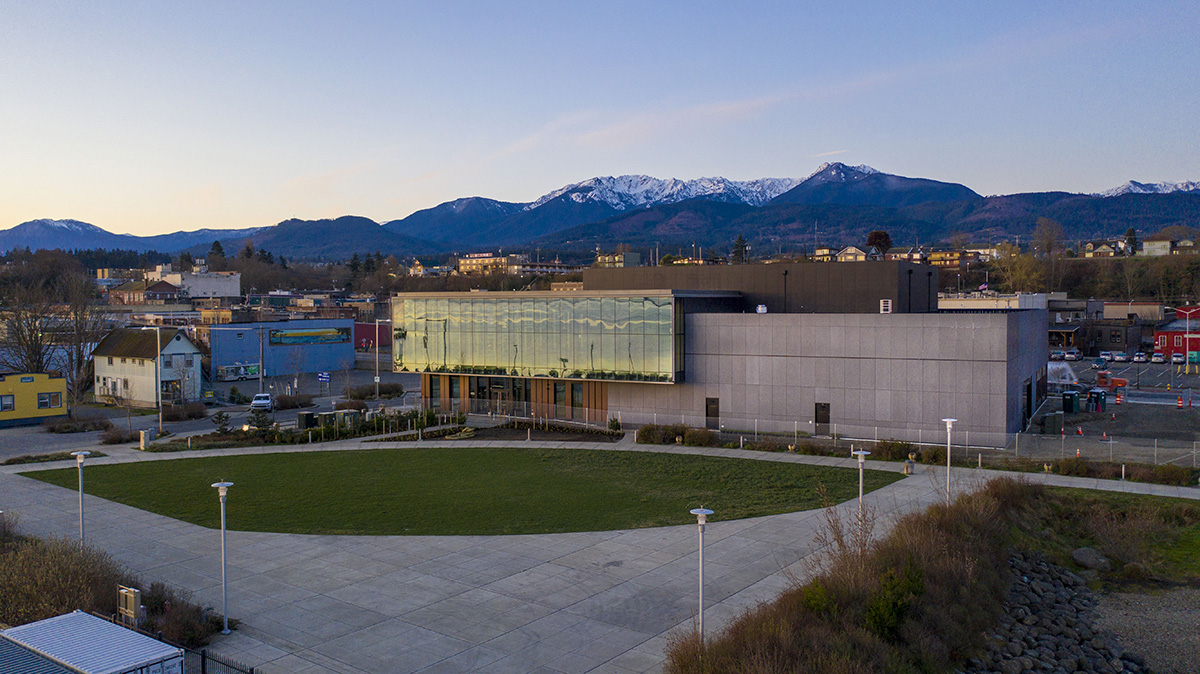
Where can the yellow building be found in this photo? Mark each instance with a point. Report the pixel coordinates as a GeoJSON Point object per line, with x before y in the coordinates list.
{"type": "Point", "coordinates": [27, 399]}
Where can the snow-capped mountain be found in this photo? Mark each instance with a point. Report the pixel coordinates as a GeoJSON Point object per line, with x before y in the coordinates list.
{"type": "Point", "coordinates": [1134, 187]}
{"type": "Point", "coordinates": [637, 191]}
{"type": "Point", "coordinates": [65, 226]}
{"type": "Point", "coordinates": [839, 172]}
{"type": "Point", "coordinates": [836, 183]}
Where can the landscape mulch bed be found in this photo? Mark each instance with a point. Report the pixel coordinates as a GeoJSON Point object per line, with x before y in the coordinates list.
{"type": "Point", "coordinates": [552, 435]}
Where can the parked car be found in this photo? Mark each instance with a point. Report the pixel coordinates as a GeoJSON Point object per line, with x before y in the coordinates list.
{"type": "Point", "coordinates": [1158, 358]}
{"type": "Point", "coordinates": [1058, 355]}
{"type": "Point", "coordinates": [1099, 364]}
{"type": "Point", "coordinates": [1178, 359]}
{"type": "Point", "coordinates": [1073, 354]}
{"type": "Point", "coordinates": [1120, 357]}
{"type": "Point", "coordinates": [263, 401]}
{"type": "Point", "coordinates": [1140, 357]}
{"type": "Point", "coordinates": [1107, 356]}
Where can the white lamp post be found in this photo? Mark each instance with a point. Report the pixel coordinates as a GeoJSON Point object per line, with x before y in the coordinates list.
{"type": "Point", "coordinates": [862, 455]}
{"type": "Point", "coordinates": [949, 425]}
{"type": "Point", "coordinates": [79, 457]}
{"type": "Point", "coordinates": [222, 491]}
{"type": "Point", "coordinates": [701, 518]}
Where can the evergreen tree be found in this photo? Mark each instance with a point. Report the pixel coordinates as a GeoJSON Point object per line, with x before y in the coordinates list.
{"type": "Point", "coordinates": [880, 240]}
{"type": "Point", "coordinates": [283, 262]}
{"type": "Point", "coordinates": [354, 265]}
{"type": "Point", "coordinates": [1131, 241]}
{"type": "Point", "coordinates": [248, 251]}
{"type": "Point", "coordinates": [741, 250]}
{"type": "Point", "coordinates": [217, 250]}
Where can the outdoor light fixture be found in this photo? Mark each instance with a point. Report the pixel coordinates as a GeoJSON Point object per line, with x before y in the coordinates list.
{"type": "Point", "coordinates": [862, 455]}
{"type": "Point", "coordinates": [79, 457]}
{"type": "Point", "coordinates": [949, 425]}
{"type": "Point", "coordinates": [701, 518]}
{"type": "Point", "coordinates": [222, 491]}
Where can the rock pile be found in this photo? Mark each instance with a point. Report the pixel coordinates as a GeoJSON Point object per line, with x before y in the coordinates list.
{"type": "Point", "coordinates": [1048, 627]}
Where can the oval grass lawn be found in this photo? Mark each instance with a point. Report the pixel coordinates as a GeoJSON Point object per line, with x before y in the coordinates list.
{"type": "Point", "coordinates": [446, 491]}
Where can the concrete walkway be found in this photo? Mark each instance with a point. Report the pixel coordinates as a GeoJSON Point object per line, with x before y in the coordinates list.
{"type": "Point", "coordinates": [579, 602]}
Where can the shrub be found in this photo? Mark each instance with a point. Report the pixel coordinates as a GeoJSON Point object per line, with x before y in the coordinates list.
{"type": "Point", "coordinates": [614, 424]}
{"type": "Point", "coordinates": [351, 405]}
{"type": "Point", "coordinates": [651, 434]}
{"type": "Point", "coordinates": [237, 397]}
{"type": "Point", "coordinates": [221, 421]}
{"type": "Point", "coordinates": [892, 450]}
{"type": "Point", "coordinates": [367, 391]}
{"type": "Point", "coordinates": [700, 437]}
{"type": "Point", "coordinates": [43, 458]}
{"type": "Point", "coordinates": [118, 436]}
{"type": "Point", "coordinates": [933, 455]}
{"type": "Point", "coordinates": [76, 425]}
{"type": "Point", "coordinates": [286, 402]}
{"type": "Point", "coordinates": [184, 412]}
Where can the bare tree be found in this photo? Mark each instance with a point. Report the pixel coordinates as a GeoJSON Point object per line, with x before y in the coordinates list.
{"type": "Point", "coordinates": [1047, 239]}
{"type": "Point", "coordinates": [82, 328]}
{"type": "Point", "coordinates": [28, 317]}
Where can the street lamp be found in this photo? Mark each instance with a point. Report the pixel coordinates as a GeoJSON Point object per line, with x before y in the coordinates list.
{"type": "Point", "coordinates": [949, 425]}
{"type": "Point", "coordinates": [701, 517]}
{"type": "Point", "coordinates": [158, 374]}
{"type": "Point", "coordinates": [79, 457]}
{"type": "Point", "coordinates": [222, 491]}
{"type": "Point", "coordinates": [862, 455]}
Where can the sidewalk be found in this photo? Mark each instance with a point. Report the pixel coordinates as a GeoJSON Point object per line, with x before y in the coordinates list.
{"type": "Point", "coordinates": [579, 602]}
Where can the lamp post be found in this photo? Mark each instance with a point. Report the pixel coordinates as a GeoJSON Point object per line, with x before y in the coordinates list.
{"type": "Point", "coordinates": [949, 425]}
{"type": "Point", "coordinates": [862, 455]}
{"type": "Point", "coordinates": [222, 491]}
{"type": "Point", "coordinates": [158, 375]}
{"type": "Point", "coordinates": [79, 457]}
{"type": "Point", "coordinates": [701, 518]}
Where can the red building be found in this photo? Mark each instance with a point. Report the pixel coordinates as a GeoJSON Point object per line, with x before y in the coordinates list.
{"type": "Point", "coordinates": [1174, 337]}
{"type": "Point", "coordinates": [365, 337]}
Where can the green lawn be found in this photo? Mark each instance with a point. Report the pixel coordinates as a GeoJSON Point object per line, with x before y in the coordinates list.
{"type": "Point", "coordinates": [464, 490]}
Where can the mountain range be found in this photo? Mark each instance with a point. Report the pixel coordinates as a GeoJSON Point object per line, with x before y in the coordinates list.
{"type": "Point", "coordinates": [837, 204]}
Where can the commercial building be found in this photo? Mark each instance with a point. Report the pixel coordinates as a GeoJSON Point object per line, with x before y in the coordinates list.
{"type": "Point", "coordinates": [852, 349]}
{"type": "Point", "coordinates": [28, 398]}
{"type": "Point", "coordinates": [283, 347]}
{"type": "Point", "coordinates": [199, 283]}
{"type": "Point", "coordinates": [128, 362]}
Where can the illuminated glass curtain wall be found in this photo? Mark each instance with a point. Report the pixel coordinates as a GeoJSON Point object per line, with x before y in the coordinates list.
{"type": "Point", "coordinates": [618, 338]}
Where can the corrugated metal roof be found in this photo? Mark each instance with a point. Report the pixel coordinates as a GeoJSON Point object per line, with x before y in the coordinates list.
{"type": "Point", "coordinates": [16, 659]}
{"type": "Point", "coordinates": [90, 644]}
{"type": "Point", "coordinates": [129, 343]}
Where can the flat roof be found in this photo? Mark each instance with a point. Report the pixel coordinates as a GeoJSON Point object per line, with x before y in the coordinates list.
{"type": "Point", "coordinates": [89, 644]}
{"type": "Point", "coordinates": [566, 294]}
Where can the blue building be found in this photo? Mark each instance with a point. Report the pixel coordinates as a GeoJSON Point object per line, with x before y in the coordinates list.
{"type": "Point", "coordinates": [286, 347]}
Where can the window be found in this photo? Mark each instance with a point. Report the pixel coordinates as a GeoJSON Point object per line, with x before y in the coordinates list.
{"type": "Point", "coordinates": [190, 362]}
{"type": "Point", "coordinates": [1178, 340]}
{"type": "Point", "coordinates": [1115, 336]}
{"type": "Point", "coordinates": [6, 403]}
{"type": "Point", "coordinates": [110, 360]}
{"type": "Point", "coordinates": [49, 400]}
{"type": "Point", "coordinates": [124, 360]}
{"type": "Point", "coordinates": [167, 361]}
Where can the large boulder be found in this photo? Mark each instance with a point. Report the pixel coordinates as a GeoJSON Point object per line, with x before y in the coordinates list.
{"type": "Point", "coordinates": [1090, 558]}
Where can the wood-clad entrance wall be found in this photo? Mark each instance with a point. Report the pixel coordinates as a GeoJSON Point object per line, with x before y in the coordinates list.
{"type": "Point", "coordinates": [568, 399]}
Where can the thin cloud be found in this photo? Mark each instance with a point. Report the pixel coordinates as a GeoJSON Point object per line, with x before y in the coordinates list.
{"type": "Point", "coordinates": [828, 154]}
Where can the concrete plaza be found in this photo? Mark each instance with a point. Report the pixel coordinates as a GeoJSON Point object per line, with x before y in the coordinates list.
{"type": "Point", "coordinates": [579, 602]}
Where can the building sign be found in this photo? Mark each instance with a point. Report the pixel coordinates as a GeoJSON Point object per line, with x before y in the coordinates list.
{"type": "Point", "coordinates": [309, 336]}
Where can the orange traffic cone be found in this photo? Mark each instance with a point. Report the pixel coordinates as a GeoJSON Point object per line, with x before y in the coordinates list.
{"type": "Point", "coordinates": [1120, 398]}
{"type": "Point", "coordinates": [1179, 403]}
{"type": "Point", "coordinates": [1104, 436]}
{"type": "Point", "coordinates": [1076, 452]}
{"type": "Point", "coordinates": [1079, 430]}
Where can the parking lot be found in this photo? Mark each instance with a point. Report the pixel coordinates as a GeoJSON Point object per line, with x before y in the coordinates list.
{"type": "Point", "coordinates": [1154, 376]}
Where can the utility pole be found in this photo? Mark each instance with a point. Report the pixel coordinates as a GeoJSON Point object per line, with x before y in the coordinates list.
{"type": "Point", "coordinates": [262, 364]}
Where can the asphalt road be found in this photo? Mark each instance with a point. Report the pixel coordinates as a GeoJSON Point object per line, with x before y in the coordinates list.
{"type": "Point", "coordinates": [1149, 377]}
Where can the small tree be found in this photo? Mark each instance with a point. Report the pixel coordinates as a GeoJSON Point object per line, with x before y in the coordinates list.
{"type": "Point", "coordinates": [740, 250]}
{"type": "Point", "coordinates": [880, 240]}
{"type": "Point", "coordinates": [1131, 241]}
{"type": "Point", "coordinates": [217, 250]}
{"type": "Point", "coordinates": [221, 421]}
{"type": "Point", "coordinates": [260, 421]}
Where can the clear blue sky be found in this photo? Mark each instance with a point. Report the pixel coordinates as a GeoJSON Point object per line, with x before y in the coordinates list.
{"type": "Point", "coordinates": [151, 117]}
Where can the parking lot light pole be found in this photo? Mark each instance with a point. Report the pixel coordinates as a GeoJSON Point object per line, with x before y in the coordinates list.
{"type": "Point", "coordinates": [79, 457]}
{"type": "Point", "coordinates": [949, 425]}
{"type": "Point", "coordinates": [701, 518]}
{"type": "Point", "coordinates": [222, 491]}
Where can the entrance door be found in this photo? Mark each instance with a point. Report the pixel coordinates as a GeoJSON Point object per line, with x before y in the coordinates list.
{"type": "Point", "coordinates": [712, 413]}
{"type": "Point", "coordinates": [821, 419]}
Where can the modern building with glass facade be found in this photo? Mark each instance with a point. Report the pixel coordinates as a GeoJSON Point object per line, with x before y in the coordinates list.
{"type": "Point", "coordinates": [736, 347]}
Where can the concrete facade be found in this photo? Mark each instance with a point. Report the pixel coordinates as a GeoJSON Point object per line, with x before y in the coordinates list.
{"type": "Point", "coordinates": [898, 373]}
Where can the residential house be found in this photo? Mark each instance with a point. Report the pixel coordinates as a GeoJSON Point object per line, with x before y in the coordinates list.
{"type": "Point", "coordinates": [144, 292]}
{"type": "Point", "coordinates": [28, 398]}
{"type": "Point", "coordinates": [1100, 249]}
{"type": "Point", "coordinates": [128, 362]}
{"type": "Point", "coordinates": [856, 254]}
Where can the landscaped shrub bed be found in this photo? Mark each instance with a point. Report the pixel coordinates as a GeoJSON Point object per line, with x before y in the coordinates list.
{"type": "Point", "coordinates": [367, 392]}
{"type": "Point", "coordinates": [286, 402]}
{"type": "Point", "coordinates": [74, 425]}
{"type": "Point", "coordinates": [45, 458]}
{"type": "Point", "coordinates": [919, 600]}
{"type": "Point", "coordinates": [42, 578]}
{"type": "Point", "coordinates": [184, 412]}
{"type": "Point", "coordinates": [550, 425]}
{"type": "Point", "coordinates": [118, 436]}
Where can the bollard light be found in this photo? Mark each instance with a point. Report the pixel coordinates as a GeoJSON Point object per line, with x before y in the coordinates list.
{"type": "Point", "coordinates": [222, 492]}
{"type": "Point", "coordinates": [79, 457]}
{"type": "Point", "coordinates": [862, 455]}
{"type": "Point", "coordinates": [701, 514]}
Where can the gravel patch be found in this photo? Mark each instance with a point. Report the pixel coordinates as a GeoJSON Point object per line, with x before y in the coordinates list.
{"type": "Point", "coordinates": [1165, 626]}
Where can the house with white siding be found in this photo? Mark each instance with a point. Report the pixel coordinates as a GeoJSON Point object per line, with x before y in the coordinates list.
{"type": "Point", "coordinates": [130, 361]}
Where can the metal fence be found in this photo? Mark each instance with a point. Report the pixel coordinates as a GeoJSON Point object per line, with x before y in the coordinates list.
{"type": "Point", "coordinates": [194, 661]}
